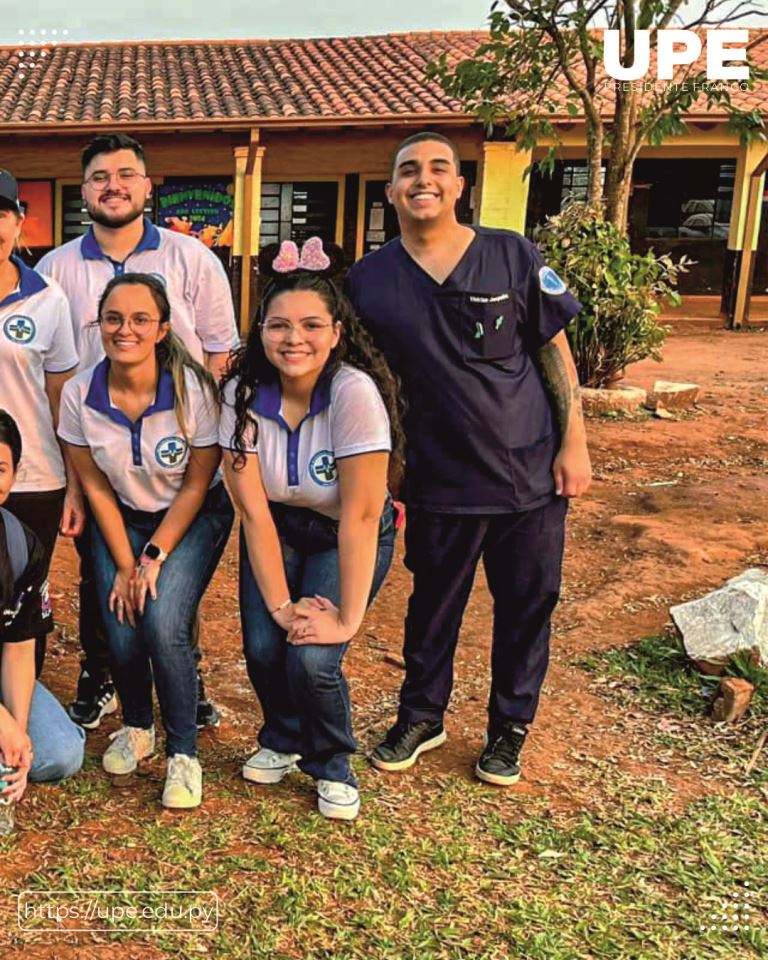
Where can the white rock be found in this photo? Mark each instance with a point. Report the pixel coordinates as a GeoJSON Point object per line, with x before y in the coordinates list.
{"type": "Point", "coordinates": [726, 621]}
{"type": "Point", "coordinates": [626, 399]}
{"type": "Point", "coordinates": [672, 396]}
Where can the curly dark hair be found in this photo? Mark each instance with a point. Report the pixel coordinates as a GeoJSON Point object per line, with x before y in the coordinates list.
{"type": "Point", "coordinates": [249, 365]}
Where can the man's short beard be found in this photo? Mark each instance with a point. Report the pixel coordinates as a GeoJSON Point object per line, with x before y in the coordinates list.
{"type": "Point", "coordinates": [113, 223]}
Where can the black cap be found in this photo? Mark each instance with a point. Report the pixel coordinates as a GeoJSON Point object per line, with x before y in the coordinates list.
{"type": "Point", "coordinates": [9, 191]}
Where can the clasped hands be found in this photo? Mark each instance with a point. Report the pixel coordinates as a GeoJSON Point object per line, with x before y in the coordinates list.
{"type": "Point", "coordinates": [130, 589]}
{"type": "Point", "coordinates": [313, 620]}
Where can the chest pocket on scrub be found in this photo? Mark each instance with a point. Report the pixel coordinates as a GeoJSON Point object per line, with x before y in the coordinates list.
{"type": "Point", "coordinates": [490, 330]}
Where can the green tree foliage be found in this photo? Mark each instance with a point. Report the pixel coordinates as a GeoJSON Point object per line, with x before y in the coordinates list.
{"type": "Point", "coordinates": [620, 292]}
{"type": "Point", "coordinates": [543, 63]}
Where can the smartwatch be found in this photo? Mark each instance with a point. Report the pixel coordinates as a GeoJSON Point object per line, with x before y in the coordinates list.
{"type": "Point", "coordinates": [152, 552]}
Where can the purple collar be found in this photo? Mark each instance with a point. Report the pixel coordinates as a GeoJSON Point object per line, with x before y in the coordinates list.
{"type": "Point", "coordinates": [98, 395]}
{"type": "Point", "coordinates": [30, 282]}
{"type": "Point", "coordinates": [269, 397]}
{"type": "Point", "coordinates": [150, 240]}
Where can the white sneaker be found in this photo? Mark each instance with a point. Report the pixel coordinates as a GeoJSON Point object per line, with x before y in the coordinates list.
{"type": "Point", "coordinates": [129, 745]}
{"type": "Point", "coordinates": [183, 783]}
{"type": "Point", "coordinates": [337, 801]}
{"type": "Point", "coordinates": [269, 766]}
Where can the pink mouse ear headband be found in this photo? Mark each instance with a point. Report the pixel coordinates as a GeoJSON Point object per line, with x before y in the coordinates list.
{"type": "Point", "coordinates": [312, 257]}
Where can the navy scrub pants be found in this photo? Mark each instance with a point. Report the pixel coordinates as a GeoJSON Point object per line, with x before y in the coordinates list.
{"type": "Point", "coordinates": [522, 555]}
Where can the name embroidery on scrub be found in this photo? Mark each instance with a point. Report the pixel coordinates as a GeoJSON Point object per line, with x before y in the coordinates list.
{"type": "Point", "coordinates": [170, 451]}
{"type": "Point", "coordinates": [322, 468]}
{"type": "Point", "coordinates": [20, 329]}
{"type": "Point", "coordinates": [494, 298]}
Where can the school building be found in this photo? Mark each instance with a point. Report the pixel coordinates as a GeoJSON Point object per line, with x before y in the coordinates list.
{"type": "Point", "coordinates": [249, 142]}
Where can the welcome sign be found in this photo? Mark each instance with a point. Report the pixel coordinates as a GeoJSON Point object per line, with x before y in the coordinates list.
{"type": "Point", "coordinates": [204, 211]}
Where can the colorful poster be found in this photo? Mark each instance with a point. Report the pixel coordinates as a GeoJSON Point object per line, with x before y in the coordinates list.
{"type": "Point", "coordinates": [202, 210]}
{"type": "Point", "coordinates": [37, 198]}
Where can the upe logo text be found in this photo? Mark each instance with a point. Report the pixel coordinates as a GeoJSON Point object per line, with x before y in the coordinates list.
{"type": "Point", "coordinates": [678, 48]}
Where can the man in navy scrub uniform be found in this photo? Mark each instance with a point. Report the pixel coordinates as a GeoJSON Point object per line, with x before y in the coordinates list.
{"type": "Point", "coordinates": [473, 322]}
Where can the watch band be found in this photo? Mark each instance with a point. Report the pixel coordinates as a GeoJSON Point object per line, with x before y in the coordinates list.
{"type": "Point", "coordinates": [153, 553]}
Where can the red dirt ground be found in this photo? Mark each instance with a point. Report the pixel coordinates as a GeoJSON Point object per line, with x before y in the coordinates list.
{"type": "Point", "coordinates": [677, 506]}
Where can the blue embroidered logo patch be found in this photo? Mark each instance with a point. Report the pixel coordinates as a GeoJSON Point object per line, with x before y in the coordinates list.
{"type": "Point", "coordinates": [550, 282]}
{"type": "Point", "coordinates": [322, 468]}
{"type": "Point", "coordinates": [170, 451]}
{"type": "Point", "coordinates": [19, 329]}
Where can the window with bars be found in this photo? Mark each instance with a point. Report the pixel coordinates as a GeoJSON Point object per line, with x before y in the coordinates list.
{"type": "Point", "coordinates": [299, 210]}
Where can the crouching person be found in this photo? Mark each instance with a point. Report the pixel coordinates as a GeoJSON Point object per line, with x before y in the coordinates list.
{"type": "Point", "coordinates": [308, 422]}
{"type": "Point", "coordinates": [141, 428]}
{"type": "Point", "coordinates": [37, 737]}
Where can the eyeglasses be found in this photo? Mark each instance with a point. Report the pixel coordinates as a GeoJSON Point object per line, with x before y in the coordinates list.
{"type": "Point", "coordinates": [126, 178]}
{"type": "Point", "coordinates": [139, 324]}
{"type": "Point", "coordinates": [280, 329]}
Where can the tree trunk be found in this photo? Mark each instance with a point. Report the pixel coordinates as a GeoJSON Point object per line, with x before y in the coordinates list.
{"type": "Point", "coordinates": [594, 166]}
{"type": "Point", "coordinates": [618, 175]}
{"type": "Point", "coordinates": [617, 200]}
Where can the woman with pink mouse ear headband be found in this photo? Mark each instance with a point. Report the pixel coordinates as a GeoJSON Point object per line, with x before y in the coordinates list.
{"type": "Point", "coordinates": [311, 436]}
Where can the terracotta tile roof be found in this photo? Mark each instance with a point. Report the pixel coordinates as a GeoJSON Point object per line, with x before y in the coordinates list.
{"type": "Point", "coordinates": [245, 82]}
{"type": "Point", "coordinates": [346, 78]}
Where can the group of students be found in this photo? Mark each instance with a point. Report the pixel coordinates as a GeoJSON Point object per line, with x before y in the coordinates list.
{"type": "Point", "coordinates": [127, 403]}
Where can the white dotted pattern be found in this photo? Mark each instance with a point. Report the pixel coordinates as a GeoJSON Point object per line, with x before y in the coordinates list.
{"type": "Point", "coordinates": [735, 914]}
{"type": "Point", "coordinates": [32, 44]}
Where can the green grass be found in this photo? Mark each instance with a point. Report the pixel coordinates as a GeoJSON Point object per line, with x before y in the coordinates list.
{"type": "Point", "coordinates": [660, 673]}
{"type": "Point", "coordinates": [461, 872]}
{"type": "Point", "coordinates": [655, 676]}
{"type": "Point", "coordinates": [441, 868]}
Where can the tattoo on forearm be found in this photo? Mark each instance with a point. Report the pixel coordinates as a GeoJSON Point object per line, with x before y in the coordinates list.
{"type": "Point", "coordinates": [565, 395]}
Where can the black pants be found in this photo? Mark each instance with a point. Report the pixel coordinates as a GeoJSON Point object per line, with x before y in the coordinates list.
{"type": "Point", "coordinates": [522, 555]}
{"type": "Point", "coordinates": [41, 512]}
{"type": "Point", "coordinates": [93, 639]}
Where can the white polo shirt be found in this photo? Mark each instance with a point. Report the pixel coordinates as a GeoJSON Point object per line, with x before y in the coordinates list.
{"type": "Point", "coordinates": [144, 461]}
{"type": "Point", "coordinates": [346, 417]}
{"type": "Point", "coordinates": [202, 313]}
{"type": "Point", "coordinates": [35, 339]}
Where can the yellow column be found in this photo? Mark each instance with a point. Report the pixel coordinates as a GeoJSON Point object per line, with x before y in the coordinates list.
{"type": "Point", "coordinates": [504, 188]}
{"type": "Point", "coordinates": [241, 157]}
{"type": "Point", "coordinates": [748, 159]}
{"type": "Point", "coordinates": [745, 275]}
{"type": "Point", "coordinates": [247, 226]}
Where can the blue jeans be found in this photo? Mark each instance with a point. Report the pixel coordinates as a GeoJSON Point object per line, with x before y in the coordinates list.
{"type": "Point", "coordinates": [303, 694]}
{"type": "Point", "coordinates": [159, 645]}
{"type": "Point", "coordinates": [56, 742]}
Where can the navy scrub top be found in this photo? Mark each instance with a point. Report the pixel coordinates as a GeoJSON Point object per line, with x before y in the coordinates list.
{"type": "Point", "coordinates": [481, 435]}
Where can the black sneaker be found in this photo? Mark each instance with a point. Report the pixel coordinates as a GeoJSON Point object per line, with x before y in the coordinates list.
{"type": "Point", "coordinates": [404, 742]}
{"type": "Point", "coordinates": [207, 714]}
{"type": "Point", "coordinates": [95, 699]}
{"type": "Point", "coordinates": [500, 761]}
